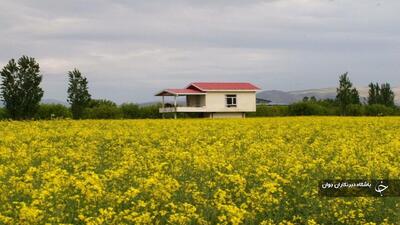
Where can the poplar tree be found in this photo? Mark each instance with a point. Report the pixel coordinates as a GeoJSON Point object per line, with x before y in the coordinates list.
{"type": "Point", "coordinates": [373, 93]}
{"type": "Point", "coordinates": [78, 93]}
{"type": "Point", "coordinates": [346, 94]}
{"type": "Point", "coordinates": [20, 87]}
{"type": "Point", "coordinates": [386, 95]}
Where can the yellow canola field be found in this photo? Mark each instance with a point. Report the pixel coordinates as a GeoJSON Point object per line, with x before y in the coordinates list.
{"type": "Point", "coordinates": [195, 171]}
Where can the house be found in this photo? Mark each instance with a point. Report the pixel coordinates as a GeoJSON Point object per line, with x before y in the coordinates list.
{"type": "Point", "coordinates": [214, 100]}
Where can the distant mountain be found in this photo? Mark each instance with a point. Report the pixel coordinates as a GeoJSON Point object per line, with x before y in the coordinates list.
{"type": "Point", "coordinates": [278, 97]}
{"type": "Point", "coordinates": [288, 97]}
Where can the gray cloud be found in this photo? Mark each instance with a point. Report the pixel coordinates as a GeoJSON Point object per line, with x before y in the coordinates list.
{"type": "Point", "coordinates": [131, 49]}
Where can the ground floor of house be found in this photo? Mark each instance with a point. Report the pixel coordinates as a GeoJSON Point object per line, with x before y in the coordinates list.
{"type": "Point", "coordinates": [211, 114]}
{"type": "Point", "coordinates": [224, 115]}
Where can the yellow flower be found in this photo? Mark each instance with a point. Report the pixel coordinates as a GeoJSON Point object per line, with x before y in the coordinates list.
{"type": "Point", "coordinates": [191, 171]}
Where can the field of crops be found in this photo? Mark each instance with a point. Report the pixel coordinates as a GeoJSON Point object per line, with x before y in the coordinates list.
{"type": "Point", "coordinates": [195, 171]}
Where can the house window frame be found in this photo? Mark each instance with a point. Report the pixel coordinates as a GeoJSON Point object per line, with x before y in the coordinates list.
{"type": "Point", "coordinates": [233, 100]}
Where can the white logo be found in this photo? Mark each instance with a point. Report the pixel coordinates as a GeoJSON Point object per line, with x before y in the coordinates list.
{"type": "Point", "coordinates": [380, 187]}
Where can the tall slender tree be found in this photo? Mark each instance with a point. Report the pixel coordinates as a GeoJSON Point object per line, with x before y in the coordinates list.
{"type": "Point", "coordinates": [346, 94]}
{"type": "Point", "coordinates": [386, 95]}
{"type": "Point", "coordinates": [78, 93]}
{"type": "Point", "coordinates": [373, 93]}
{"type": "Point", "coordinates": [20, 87]}
{"type": "Point", "coordinates": [380, 94]}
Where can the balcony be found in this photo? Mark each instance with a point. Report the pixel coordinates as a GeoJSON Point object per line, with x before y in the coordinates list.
{"type": "Point", "coordinates": [182, 109]}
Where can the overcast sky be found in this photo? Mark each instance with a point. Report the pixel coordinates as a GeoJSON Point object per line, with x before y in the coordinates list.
{"type": "Point", "coordinates": [130, 49]}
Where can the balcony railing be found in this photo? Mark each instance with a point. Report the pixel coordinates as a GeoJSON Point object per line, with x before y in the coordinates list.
{"type": "Point", "coordinates": [182, 109]}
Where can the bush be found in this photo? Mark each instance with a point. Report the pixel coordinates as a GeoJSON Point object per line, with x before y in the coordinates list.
{"type": "Point", "coordinates": [150, 111]}
{"type": "Point", "coordinates": [379, 110]}
{"type": "Point", "coordinates": [103, 112]}
{"type": "Point", "coordinates": [267, 110]}
{"type": "Point", "coordinates": [355, 110]}
{"type": "Point", "coordinates": [102, 109]}
{"type": "Point", "coordinates": [53, 111]}
{"type": "Point", "coordinates": [3, 114]}
{"type": "Point", "coordinates": [307, 108]}
{"type": "Point", "coordinates": [130, 110]}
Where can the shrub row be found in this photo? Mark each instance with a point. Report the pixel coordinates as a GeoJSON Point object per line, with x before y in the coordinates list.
{"type": "Point", "coordinates": [102, 109]}
{"type": "Point", "coordinates": [124, 111]}
{"type": "Point", "coordinates": [322, 108]}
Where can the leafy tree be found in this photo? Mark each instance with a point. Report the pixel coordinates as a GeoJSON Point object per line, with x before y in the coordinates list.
{"type": "Point", "coordinates": [380, 94]}
{"type": "Point", "coordinates": [346, 94]}
{"type": "Point", "coordinates": [78, 93]}
{"type": "Point", "coordinates": [20, 90]}
{"type": "Point", "coordinates": [309, 99]}
{"type": "Point", "coordinates": [373, 94]}
{"type": "Point", "coordinates": [386, 95]}
{"type": "Point", "coordinates": [355, 96]}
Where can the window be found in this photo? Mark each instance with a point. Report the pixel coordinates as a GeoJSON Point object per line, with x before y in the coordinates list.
{"type": "Point", "coordinates": [230, 100]}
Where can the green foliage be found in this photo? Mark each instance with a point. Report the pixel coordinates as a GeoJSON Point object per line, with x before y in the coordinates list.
{"type": "Point", "coordinates": [102, 109]}
{"type": "Point", "coordinates": [20, 88]}
{"type": "Point", "coordinates": [53, 111]}
{"type": "Point", "coordinates": [150, 111]}
{"type": "Point", "coordinates": [3, 114]}
{"type": "Point", "coordinates": [373, 94]}
{"type": "Point", "coordinates": [386, 95]}
{"type": "Point", "coordinates": [130, 111]}
{"type": "Point", "coordinates": [307, 108]}
{"type": "Point", "coordinates": [346, 94]}
{"type": "Point", "coordinates": [101, 102]}
{"type": "Point", "coordinates": [380, 95]}
{"type": "Point", "coordinates": [380, 110]}
{"type": "Point", "coordinates": [134, 111]}
{"type": "Point", "coordinates": [267, 110]}
{"type": "Point", "coordinates": [78, 93]}
{"type": "Point", "coordinates": [355, 110]}
{"type": "Point", "coordinates": [324, 107]}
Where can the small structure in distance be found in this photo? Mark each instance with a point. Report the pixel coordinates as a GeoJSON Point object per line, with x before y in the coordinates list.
{"type": "Point", "coordinates": [213, 99]}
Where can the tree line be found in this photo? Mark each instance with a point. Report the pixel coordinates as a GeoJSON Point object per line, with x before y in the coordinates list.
{"type": "Point", "coordinates": [21, 94]}
{"type": "Point", "coordinates": [380, 102]}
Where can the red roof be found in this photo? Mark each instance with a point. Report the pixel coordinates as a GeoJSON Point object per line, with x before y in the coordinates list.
{"type": "Point", "coordinates": [179, 92]}
{"type": "Point", "coordinates": [183, 91]}
{"type": "Point", "coordinates": [213, 86]}
{"type": "Point", "coordinates": [201, 87]}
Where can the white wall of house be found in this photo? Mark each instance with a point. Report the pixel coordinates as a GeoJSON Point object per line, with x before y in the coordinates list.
{"type": "Point", "coordinates": [227, 115]}
{"type": "Point", "coordinates": [216, 102]}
